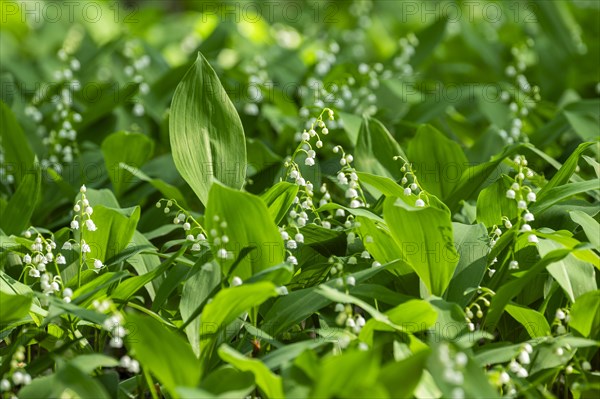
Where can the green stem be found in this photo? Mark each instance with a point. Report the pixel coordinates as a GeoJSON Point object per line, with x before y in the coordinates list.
{"type": "Point", "coordinates": [150, 384]}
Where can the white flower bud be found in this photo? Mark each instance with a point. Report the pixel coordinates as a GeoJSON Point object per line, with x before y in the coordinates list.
{"type": "Point", "coordinates": [524, 357]}
{"type": "Point", "coordinates": [236, 281]}
{"type": "Point", "coordinates": [528, 217]}
{"type": "Point", "coordinates": [222, 253]}
{"type": "Point", "coordinates": [292, 260]}
{"type": "Point", "coordinates": [532, 238]}
{"type": "Point", "coordinates": [90, 225]}
{"type": "Point", "coordinates": [4, 385]}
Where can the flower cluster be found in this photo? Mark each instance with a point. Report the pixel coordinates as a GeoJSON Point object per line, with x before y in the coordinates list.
{"type": "Point", "coordinates": [561, 321]}
{"type": "Point", "coordinates": [348, 179]}
{"type": "Point", "coordinates": [113, 323]}
{"type": "Point", "coordinates": [194, 232]}
{"type": "Point", "coordinates": [129, 364]}
{"type": "Point", "coordinates": [220, 239]}
{"type": "Point", "coordinates": [42, 258]}
{"type": "Point", "coordinates": [347, 317]}
{"type": "Point", "coordinates": [482, 294]}
{"type": "Point", "coordinates": [523, 97]}
{"type": "Point", "coordinates": [303, 203]}
{"type": "Point", "coordinates": [61, 140]}
{"type": "Point", "coordinates": [257, 77]}
{"type": "Point", "coordinates": [454, 366]}
{"type": "Point", "coordinates": [523, 195]}
{"type": "Point", "coordinates": [16, 376]}
{"type": "Point", "coordinates": [516, 365]}
{"type": "Point", "coordinates": [6, 176]}
{"type": "Point", "coordinates": [138, 61]}
{"type": "Point", "coordinates": [407, 45]}
{"type": "Point", "coordinates": [410, 183]}
{"type": "Point", "coordinates": [83, 216]}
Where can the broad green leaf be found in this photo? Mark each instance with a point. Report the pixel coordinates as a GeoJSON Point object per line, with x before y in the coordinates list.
{"type": "Point", "coordinates": [565, 172]}
{"type": "Point", "coordinates": [89, 362]}
{"type": "Point", "coordinates": [437, 161]}
{"type": "Point", "coordinates": [585, 315]}
{"type": "Point", "coordinates": [268, 382]}
{"type": "Point", "coordinates": [492, 204]}
{"type": "Point", "coordinates": [560, 193]}
{"type": "Point", "coordinates": [382, 184]}
{"type": "Point", "coordinates": [378, 240]}
{"type": "Point", "coordinates": [279, 274]}
{"type": "Point", "coordinates": [401, 378]}
{"type": "Point", "coordinates": [68, 381]}
{"type": "Point", "coordinates": [164, 353]}
{"type": "Point", "coordinates": [589, 225]}
{"type": "Point", "coordinates": [376, 149]}
{"type": "Point", "coordinates": [351, 374]}
{"type": "Point", "coordinates": [114, 230]}
{"type": "Point", "coordinates": [13, 307]}
{"type": "Point", "coordinates": [471, 243]}
{"type": "Point", "coordinates": [207, 137]}
{"type": "Point", "coordinates": [475, 177]}
{"type": "Point", "coordinates": [145, 262]}
{"type": "Point", "coordinates": [298, 305]}
{"type": "Point", "coordinates": [412, 316]}
{"type": "Point", "coordinates": [227, 306]}
{"type": "Point", "coordinates": [228, 381]}
{"type": "Point", "coordinates": [133, 284]}
{"type": "Point", "coordinates": [195, 291]}
{"type": "Point", "coordinates": [13, 287]}
{"type": "Point", "coordinates": [425, 237]}
{"type": "Point", "coordinates": [246, 221]}
{"type": "Point", "coordinates": [512, 288]}
{"type": "Point", "coordinates": [133, 149]}
{"type": "Point", "coordinates": [18, 155]}
{"type": "Point", "coordinates": [279, 198]}
{"type": "Point", "coordinates": [534, 322]}
{"type": "Point", "coordinates": [352, 124]}
{"type": "Point", "coordinates": [15, 217]}
{"type": "Point", "coordinates": [575, 277]}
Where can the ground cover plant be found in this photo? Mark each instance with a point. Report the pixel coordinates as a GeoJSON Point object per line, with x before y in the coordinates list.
{"type": "Point", "coordinates": [299, 199]}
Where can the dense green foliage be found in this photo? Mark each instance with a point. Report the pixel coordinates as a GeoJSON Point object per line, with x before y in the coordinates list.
{"type": "Point", "coordinates": [299, 199]}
